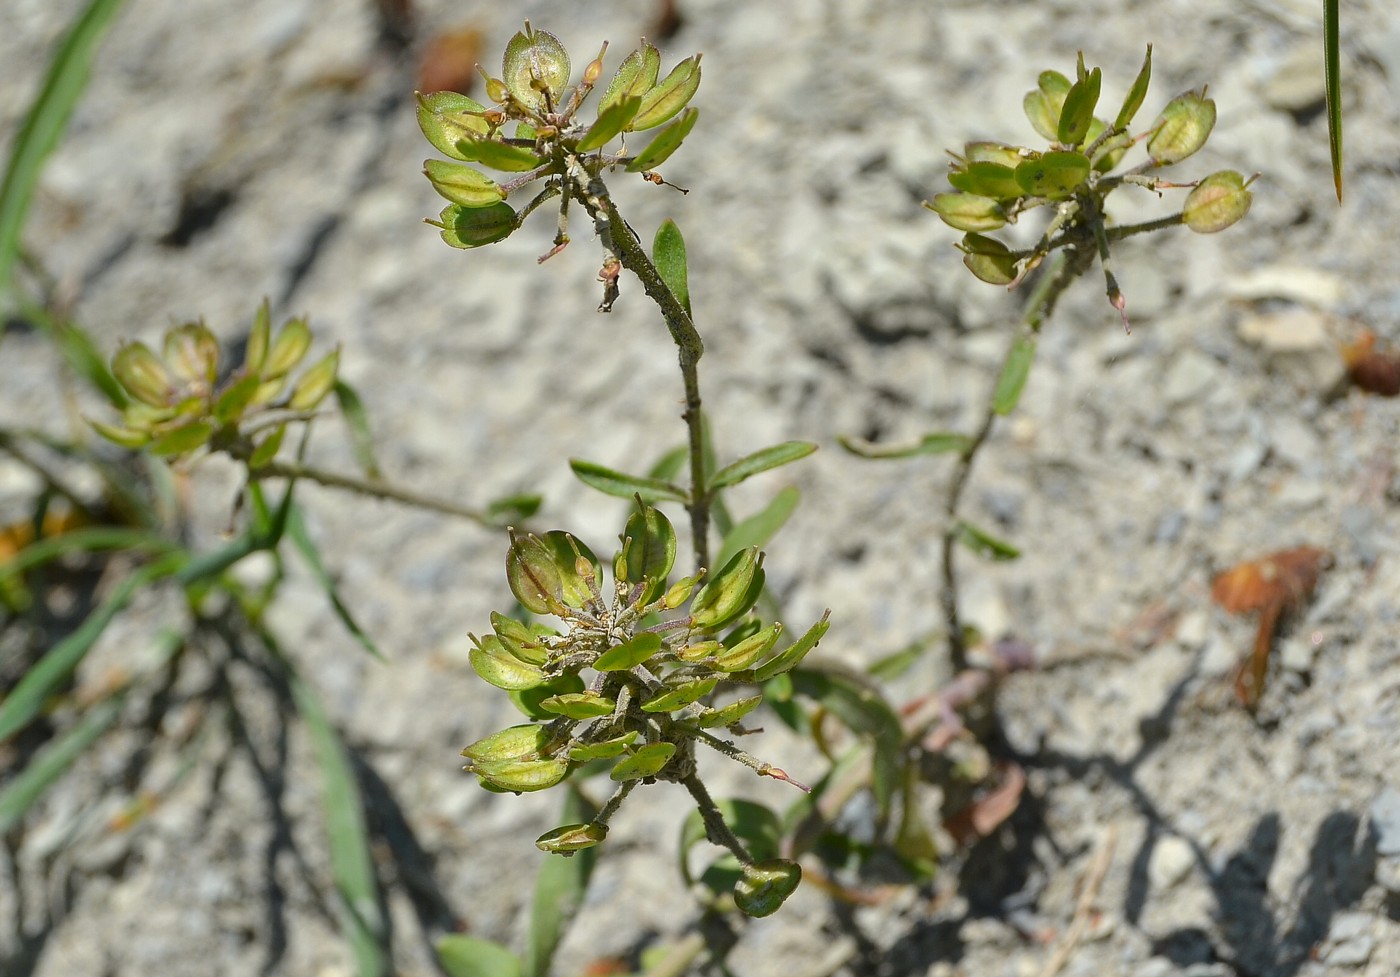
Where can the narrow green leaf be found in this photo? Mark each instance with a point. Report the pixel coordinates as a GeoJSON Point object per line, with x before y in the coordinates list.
{"type": "Point", "coordinates": [343, 809]}
{"type": "Point", "coordinates": [498, 155]}
{"type": "Point", "coordinates": [611, 121]}
{"type": "Point", "coordinates": [761, 527]}
{"type": "Point", "coordinates": [669, 465]}
{"type": "Point", "coordinates": [468, 956]}
{"type": "Point", "coordinates": [761, 461]}
{"type": "Point", "coordinates": [893, 666]}
{"type": "Point", "coordinates": [352, 408]}
{"type": "Point", "coordinates": [42, 128]}
{"type": "Point", "coordinates": [89, 540]}
{"type": "Point", "coordinates": [668, 252]}
{"type": "Point", "coordinates": [1134, 99]}
{"type": "Point", "coordinates": [78, 349]}
{"type": "Point", "coordinates": [625, 486]}
{"type": "Point", "coordinates": [505, 510]}
{"type": "Point", "coordinates": [301, 539]}
{"type": "Point", "coordinates": [985, 544]}
{"type": "Point", "coordinates": [1013, 375]}
{"type": "Point", "coordinates": [1332, 53]}
{"type": "Point", "coordinates": [42, 680]}
{"type": "Point", "coordinates": [1078, 111]}
{"type": "Point", "coordinates": [937, 443]}
{"type": "Point", "coordinates": [40, 772]}
{"type": "Point", "coordinates": [559, 891]}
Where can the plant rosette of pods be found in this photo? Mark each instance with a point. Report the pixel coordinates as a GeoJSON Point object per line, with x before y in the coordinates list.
{"type": "Point", "coordinates": [185, 400]}
{"type": "Point", "coordinates": [627, 686]}
{"type": "Point", "coordinates": [994, 184]}
{"type": "Point", "coordinates": [549, 140]}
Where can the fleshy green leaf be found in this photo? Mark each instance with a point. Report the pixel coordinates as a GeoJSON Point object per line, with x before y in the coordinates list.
{"type": "Point", "coordinates": [985, 544]}
{"type": "Point", "coordinates": [937, 443]}
{"type": "Point", "coordinates": [668, 253]}
{"type": "Point", "coordinates": [1078, 110]}
{"type": "Point", "coordinates": [1013, 375]}
{"type": "Point", "coordinates": [761, 461]}
{"type": "Point", "coordinates": [611, 482]}
{"type": "Point", "coordinates": [761, 527]}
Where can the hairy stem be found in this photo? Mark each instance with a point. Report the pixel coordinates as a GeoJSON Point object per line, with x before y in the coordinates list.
{"type": "Point", "coordinates": [1067, 267]}
{"type": "Point", "coordinates": [715, 827]}
{"type": "Point", "coordinates": [619, 238]}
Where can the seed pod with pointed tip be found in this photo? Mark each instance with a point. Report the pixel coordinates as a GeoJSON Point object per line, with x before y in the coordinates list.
{"type": "Point", "coordinates": [730, 714]}
{"type": "Point", "coordinates": [521, 775]}
{"type": "Point", "coordinates": [447, 118]}
{"type": "Point", "coordinates": [512, 743]}
{"type": "Point", "coordinates": [604, 749]}
{"type": "Point", "coordinates": [751, 649]}
{"type": "Point", "coordinates": [967, 211]}
{"type": "Point", "coordinates": [462, 184]}
{"type": "Point", "coordinates": [315, 384]}
{"type": "Point", "coordinates": [668, 97]}
{"type": "Point", "coordinates": [287, 350]}
{"type": "Point", "coordinates": [646, 762]}
{"type": "Point", "coordinates": [536, 68]}
{"type": "Point", "coordinates": [630, 653]}
{"type": "Point", "coordinates": [1182, 128]}
{"type": "Point", "coordinates": [142, 374]}
{"type": "Point", "coordinates": [533, 574]}
{"type": "Point", "coordinates": [569, 838]}
{"type": "Point", "coordinates": [1218, 201]}
{"type": "Point", "coordinates": [683, 694]}
{"type": "Point", "coordinates": [790, 657]}
{"type": "Point", "coordinates": [727, 594]}
{"type": "Point", "coordinates": [579, 705]}
{"type": "Point", "coordinates": [192, 354]}
{"type": "Point", "coordinates": [490, 660]}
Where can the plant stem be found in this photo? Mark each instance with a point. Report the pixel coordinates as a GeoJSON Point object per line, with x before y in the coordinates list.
{"type": "Point", "coordinates": [1067, 266]}
{"type": "Point", "coordinates": [619, 238]}
{"type": "Point", "coordinates": [378, 490]}
{"type": "Point", "coordinates": [715, 828]}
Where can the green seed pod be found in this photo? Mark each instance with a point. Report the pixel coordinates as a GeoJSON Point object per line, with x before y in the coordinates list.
{"type": "Point", "coordinates": [751, 649]}
{"type": "Point", "coordinates": [519, 640]}
{"type": "Point", "coordinates": [519, 776]}
{"type": "Point", "coordinates": [1045, 105]}
{"type": "Point", "coordinates": [730, 714]}
{"type": "Point", "coordinates": [1218, 201]}
{"type": "Point", "coordinates": [788, 658]}
{"type": "Point", "coordinates": [680, 695]}
{"type": "Point", "coordinates": [629, 654]}
{"type": "Point", "coordinates": [579, 705]}
{"type": "Point", "coordinates": [667, 141]}
{"type": "Point", "coordinates": [528, 700]}
{"type": "Point", "coordinates": [182, 440]}
{"type": "Point", "coordinates": [287, 350]}
{"type": "Point", "coordinates": [1182, 128]}
{"type": "Point", "coordinates": [603, 750]}
{"type": "Point", "coordinates": [315, 384]}
{"type": "Point", "coordinates": [611, 122]}
{"type": "Point", "coordinates": [571, 838]}
{"type": "Point", "coordinates": [534, 575]}
{"type": "Point", "coordinates": [680, 592]}
{"type": "Point", "coordinates": [633, 79]}
{"type": "Point", "coordinates": [1053, 175]}
{"type": "Point", "coordinates": [1111, 153]}
{"type": "Point", "coordinates": [1133, 100]}
{"type": "Point", "coordinates": [192, 354]}
{"type": "Point", "coordinates": [123, 436]}
{"type": "Point", "coordinates": [536, 68]}
{"type": "Point", "coordinates": [462, 184]}
{"type": "Point", "coordinates": [580, 573]}
{"type": "Point", "coordinates": [700, 651]}
{"type": "Point", "coordinates": [984, 179]}
{"type": "Point", "coordinates": [475, 227]}
{"type": "Point", "coordinates": [521, 742]}
{"type": "Point", "coordinates": [967, 211]}
{"type": "Point", "coordinates": [992, 152]}
{"type": "Point", "coordinates": [988, 259]}
{"type": "Point", "coordinates": [726, 595]}
{"type": "Point", "coordinates": [651, 550]}
{"type": "Point", "coordinates": [235, 398]}
{"type": "Point", "coordinates": [498, 155]}
{"type": "Point", "coordinates": [664, 100]}
{"type": "Point", "coordinates": [258, 339]}
{"type": "Point", "coordinates": [490, 660]}
{"type": "Point", "coordinates": [142, 374]}
{"type": "Point", "coordinates": [765, 886]}
{"type": "Point", "coordinates": [447, 118]}
{"type": "Point", "coordinates": [1078, 110]}
{"type": "Point", "coordinates": [646, 762]}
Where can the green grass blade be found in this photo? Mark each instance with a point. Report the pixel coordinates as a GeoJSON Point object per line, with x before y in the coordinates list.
{"type": "Point", "coordinates": [83, 541]}
{"type": "Point", "coordinates": [44, 125]}
{"type": "Point", "coordinates": [78, 349]}
{"type": "Point", "coordinates": [301, 539]}
{"type": "Point", "coordinates": [1332, 48]}
{"type": "Point", "coordinates": [468, 956]}
{"type": "Point", "coordinates": [559, 890]}
{"type": "Point", "coordinates": [352, 408]}
{"type": "Point", "coordinates": [351, 865]}
{"type": "Point", "coordinates": [28, 698]}
{"type": "Point", "coordinates": [21, 793]}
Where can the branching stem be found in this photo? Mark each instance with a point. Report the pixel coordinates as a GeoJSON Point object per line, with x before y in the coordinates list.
{"type": "Point", "coordinates": [374, 489]}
